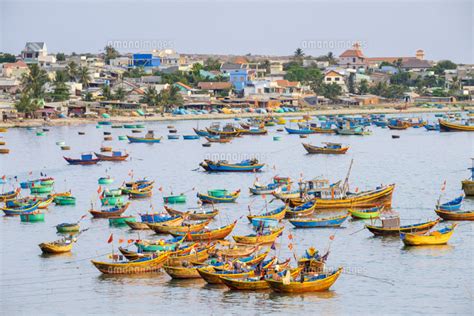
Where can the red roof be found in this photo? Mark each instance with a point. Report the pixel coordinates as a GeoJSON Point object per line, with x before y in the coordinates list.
{"type": "Point", "coordinates": [214, 85]}
{"type": "Point", "coordinates": [352, 53]}
{"type": "Point", "coordinates": [18, 64]}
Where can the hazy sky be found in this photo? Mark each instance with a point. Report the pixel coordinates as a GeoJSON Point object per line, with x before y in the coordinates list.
{"type": "Point", "coordinates": [443, 28]}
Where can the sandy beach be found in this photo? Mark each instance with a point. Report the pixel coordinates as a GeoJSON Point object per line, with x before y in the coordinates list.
{"type": "Point", "coordinates": [221, 116]}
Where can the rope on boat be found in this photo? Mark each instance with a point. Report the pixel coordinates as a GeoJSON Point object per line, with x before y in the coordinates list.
{"type": "Point", "coordinates": [370, 277]}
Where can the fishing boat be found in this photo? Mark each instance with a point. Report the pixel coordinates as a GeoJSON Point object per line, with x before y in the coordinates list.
{"type": "Point", "coordinates": [65, 200]}
{"type": "Point", "coordinates": [446, 126]}
{"type": "Point", "coordinates": [105, 180]}
{"type": "Point", "coordinates": [142, 265]}
{"type": "Point", "coordinates": [35, 216]}
{"type": "Point", "coordinates": [191, 137]}
{"type": "Point", "coordinates": [357, 130]}
{"type": "Point", "coordinates": [174, 199]}
{"type": "Point", "coordinates": [193, 214]}
{"type": "Point", "coordinates": [335, 221]}
{"type": "Point", "coordinates": [41, 189]}
{"type": "Point", "coordinates": [197, 253]}
{"type": "Point", "coordinates": [68, 228]}
{"type": "Point", "coordinates": [22, 209]}
{"type": "Point", "coordinates": [217, 139]}
{"type": "Point", "coordinates": [310, 283]}
{"type": "Point", "coordinates": [209, 234]}
{"type": "Point", "coordinates": [182, 272]}
{"type": "Point", "coordinates": [140, 193]}
{"type": "Point", "coordinates": [146, 139]}
{"type": "Point", "coordinates": [137, 185]}
{"type": "Point", "coordinates": [391, 227]}
{"type": "Point", "coordinates": [373, 212]}
{"type": "Point", "coordinates": [115, 200]}
{"type": "Point", "coordinates": [432, 127]}
{"type": "Point", "coordinates": [86, 159]}
{"type": "Point", "coordinates": [121, 220]}
{"type": "Point", "coordinates": [253, 131]}
{"type": "Point", "coordinates": [4, 151]}
{"type": "Point", "coordinates": [302, 210]}
{"type": "Point", "coordinates": [212, 276]}
{"type": "Point", "coordinates": [176, 228]}
{"type": "Point", "coordinates": [249, 165]}
{"type": "Point", "coordinates": [105, 149]}
{"type": "Point", "coordinates": [10, 195]}
{"type": "Point", "coordinates": [236, 251]}
{"type": "Point", "coordinates": [261, 223]}
{"type": "Point", "coordinates": [281, 183]}
{"type": "Point", "coordinates": [398, 125]}
{"type": "Point", "coordinates": [277, 214]}
{"type": "Point", "coordinates": [467, 184]}
{"type": "Point", "coordinates": [328, 148]}
{"type": "Point", "coordinates": [116, 156]}
{"type": "Point", "coordinates": [256, 283]}
{"type": "Point", "coordinates": [226, 198]}
{"type": "Point", "coordinates": [456, 215]}
{"type": "Point", "coordinates": [264, 237]}
{"type": "Point", "coordinates": [58, 246]}
{"type": "Point", "coordinates": [171, 244]}
{"type": "Point", "coordinates": [453, 205]}
{"type": "Point", "coordinates": [312, 261]}
{"type": "Point", "coordinates": [114, 211]}
{"type": "Point", "coordinates": [225, 133]}
{"type": "Point", "coordinates": [201, 132]}
{"type": "Point", "coordinates": [437, 237]}
{"type": "Point", "coordinates": [301, 131]}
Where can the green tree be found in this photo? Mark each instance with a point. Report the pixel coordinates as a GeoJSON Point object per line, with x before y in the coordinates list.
{"type": "Point", "coordinates": [150, 97]}
{"type": "Point", "coordinates": [439, 93]}
{"type": "Point", "coordinates": [88, 97]}
{"type": "Point", "coordinates": [110, 53]}
{"type": "Point", "coordinates": [363, 87]}
{"type": "Point", "coordinates": [26, 104]}
{"type": "Point", "coordinates": [351, 83]}
{"type": "Point", "coordinates": [84, 77]}
{"type": "Point", "coordinates": [136, 72]}
{"type": "Point", "coordinates": [401, 78]}
{"type": "Point", "coordinates": [120, 94]}
{"type": "Point", "coordinates": [212, 64]}
{"type": "Point", "coordinates": [34, 81]}
{"type": "Point", "coordinates": [60, 57]}
{"type": "Point", "coordinates": [443, 65]}
{"type": "Point", "coordinates": [72, 70]}
{"type": "Point", "coordinates": [331, 91]}
{"type": "Point", "coordinates": [7, 58]}
{"type": "Point", "coordinates": [298, 54]}
{"type": "Point", "coordinates": [106, 93]}
{"type": "Point", "coordinates": [61, 90]}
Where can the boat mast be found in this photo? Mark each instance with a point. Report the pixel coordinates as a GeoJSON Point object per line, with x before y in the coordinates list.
{"type": "Point", "coordinates": [345, 186]}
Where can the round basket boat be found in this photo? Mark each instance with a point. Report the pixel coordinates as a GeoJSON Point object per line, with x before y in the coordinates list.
{"type": "Point", "coordinates": [32, 217]}
{"type": "Point", "coordinates": [106, 180]}
{"type": "Point", "coordinates": [68, 228]}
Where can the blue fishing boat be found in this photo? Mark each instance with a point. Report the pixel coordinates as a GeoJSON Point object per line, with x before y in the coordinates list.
{"type": "Point", "coordinates": [249, 165]}
{"type": "Point", "coordinates": [190, 137]}
{"type": "Point", "coordinates": [149, 140]}
{"type": "Point", "coordinates": [303, 210]}
{"type": "Point", "coordinates": [453, 205]}
{"type": "Point", "coordinates": [335, 221]}
{"type": "Point", "coordinates": [156, 217]}
{"type": "Point", "coordinates": [432, 127]}
{"type": "Point", "coordinates": [262, 222]}
{"type": "Point", "coordinates": [301, 131]}
{"type": "Point", "coordinates": [277, 214]}
{"type": "Point", "coordinates": [21, 209]}
{"type": "Point", "coordinates": [173, 136]}
{"type": "Point", "coordinates": [201, 132]}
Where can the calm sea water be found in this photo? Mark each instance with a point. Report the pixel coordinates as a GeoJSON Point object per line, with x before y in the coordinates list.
{"type": "Point", "coordinates": [427, 280]}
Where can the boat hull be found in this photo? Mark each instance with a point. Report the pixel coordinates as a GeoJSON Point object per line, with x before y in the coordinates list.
{"type": "Point", "coordinates": [302, 287]}
{"type": "Point", "coordinates": [468, 187]}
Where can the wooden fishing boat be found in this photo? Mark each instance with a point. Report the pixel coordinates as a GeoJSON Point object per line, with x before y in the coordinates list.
{"type": "Point", "coordinates": [438, 237]}
{"type": "Point", "coordinates": [68, 228]}
{"type": "Point", "coordinates": [115, 200]}
{"type": "Point", "coordinates": [468, 187]}
{"type": "Point", "coordinates": [320, 130]}
{"type": "Point", "coordinates": [171, 244]}
{"type": "Point", "coordinates": [212, 276]}
{"type": "Point", "coordinates": [105, 149]}
{"type": "Point", "coordinates": [193, 214]}
{"type": "Point", "coordinates": [142, 265]}
{"type": "Point", "coordinates": [22, 209]}
{"type": "Point", "coordinates": [398, 127]}
{"type": "Point", "coordinates": [301, 131]}
{"type": "Point", "coordinates": [116, 156]}
{"type": "Point", "coordinates": [121, 220]}
{"type": "Point", "coordinates": [251, 260]}
{"type": "Point", "coordinates": [133, 139]}
{"type": "Point", "coordinates": [137, 225]}
{"type": "Point", "coordinates": [191, 137]}
{"type": "Point", "coordinates": [256, 283]}
{"type": "Point", "coordinates": [140, 193]}
{"type": "Point", "coordinates": [10, 195]}
{"type": "Point", "coordinates": [160, 218]}
{"type": "Point", "coordinates": [174, 199]}
{"type": "Point", "coordinates": [390, 228]}
{"type": "Point", "coordinates": [261, 223]}
{"type": "Point", "coordinates": [236, 251]}
{"type": "Point", "coordinates": [176, 229]}
{"type": "Point", "coordinates": [373, 212]}
{"type": "Point", "coordinates": [231, 133]}
{"type": "Point", "coordinates": [4, 151]}
{"type": "Point", "coordinates": [253, 131]}
{"type": "Point", "coordinates": [277, 214]}
{"type": "Point", "coordinates": [105, 180]}
{"type": "Point", "coordinates": [446, 126]}
{"type": "Point", "coordinates": [59, 246]}
{"type": "Point", "coordinates": [335, 221]}
{"type": "Point", "coordinates": [136, 185]}
{"type": "Point", "coordinates": [328, 148]}
{"type": "Point", "coordinates": [221, 139]}
{"type": "Point", "coordinates": [230, 198]}
{"type": "Point", "coordinates": [65, 200]}
{"type": "Point", "coordinates": [209, 234]}
{"type": "Point", "coordinates": [316, 283]}
{"type": "Point", "coordinates": [201, 132]}
{"type": "Point", "coordinates": [86, 159]}
{"type": "Point", "coordinates": [35, 216]}
{"type": "Point", "coordinates": [312, 261]}
{"type": "Point", "coordinates": [198, 255]}
{"type": "Point", "coordinates": [180, 272]}
{"type": "Point", "coordinates": [161, 227]}
{"type": "Point", "coordinates": [223, 166]}
{"type": "Point", "coordinates": [40, 189]}
{"type": "Point", "coordinates": [114, 211]}
{"type": "Point", "coordinates": [456, 215]}
{"type": "Point", "coordinates": [453, 205]}
{"type": "Point", "coordinates": [303, 210]}
{"type": "Point", "coordinates": [260, 237]}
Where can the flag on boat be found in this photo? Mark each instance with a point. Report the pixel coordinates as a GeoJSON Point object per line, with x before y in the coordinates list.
{"type": "Point", "coordinates": [111, 238]}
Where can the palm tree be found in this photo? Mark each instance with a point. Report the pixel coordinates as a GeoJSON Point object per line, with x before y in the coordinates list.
{"type": "Point", "coordinates": [298, 54]}
{"type": "Point", "coordinates": [71, 70]}
{"type": "Point", "coordinates": [34, 81]}
{"type": "Point", "coordinates": [61, 90]}
{"type": "Point", "coordinates": [84, 76]}
{"type": "Point", "coordinates": [106, 93]}
{"type": "Point", "coordinates": [120, 94]}
{"type": "Point", "coordinates": [330, 58]}
{"type": "Point", "coordinates": [150, 97]}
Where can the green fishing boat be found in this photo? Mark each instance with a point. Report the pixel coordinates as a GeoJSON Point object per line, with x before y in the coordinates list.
{"type": "Point", "coordinates": [106, 180]}
{"type": "Point", "coordinates": [47, 182]}
{"type": "Point", "coordinates": [140, 126]}
{"type": "Point", "coordinates": [174, 199]}
{"type": "Point", "coordinates": [117, 126]}
{"type": "Point", "coordinates": [122, 137]}
{"type": "Point", "coordinates": [112, 200]}
{"type": "Point", "coordinates": [366, 214]}
{"type": "Point", "coordinates": [113, 192]}
{"type": "Point", "coordinates": [218, 192]}
{"type": "Point", "coordinates": [68, 228]}
{"type": "Point", "coordinates": [41, 189]}
{"type": "Point", "coordinates": [65, 200]}
{"type": "Point", "coordinates": [129, 126]}
{"type": "Point", "coordinates": [32, 217]}
{"type": "Point", "coordinates": [121, 220]}
{"type": "Point", "coordinates": [40, 133]}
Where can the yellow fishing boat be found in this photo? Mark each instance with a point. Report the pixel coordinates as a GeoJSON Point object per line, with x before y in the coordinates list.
{"type": "Point", "coordinates": [438, 237]}
{"type": "Point", "coordinates": [453, 127]}
{"type": "Point", "coordinates": [197, 255]}
{"type": "Point", "coordinates": [310, 283]}
{"type": "Point", "coordinates": [260, 238]}
{"type": "Point", "coordinates": [59, 246]}
{"type": "Point", "coordinates": [142, 265]}
{"type": "Point", "coordinates": [181, 272]}
{"type": "Point", "coordinates": [212, 276]}
{"type": "Point", "coordinates": [252, 283]}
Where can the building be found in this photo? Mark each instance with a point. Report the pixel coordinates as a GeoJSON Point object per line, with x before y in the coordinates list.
{"type": "Point", "coordinates": [145, 61]}
{"type": "Point", "coordinates": [239, 78]}
{"type": "Point", "coordinates": [353, 58]}
{"type": "Point", "coordinates": [216, 88]}
{"type": "Point", "coordinates": [14, 70]}
{"type": "Point", "coordinates": [37, 53]}
{"type": "Point", "coordinates": [334, 76]}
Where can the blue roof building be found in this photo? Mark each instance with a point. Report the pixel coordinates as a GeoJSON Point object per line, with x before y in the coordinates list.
{"type": "Point", "coordinates": [239, 78]}
{"type": "Point", "coordinates": [145, 60]}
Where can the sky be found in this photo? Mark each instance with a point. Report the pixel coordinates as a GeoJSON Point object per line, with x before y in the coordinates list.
{"type": "Point", "coordinates": [442, 28]}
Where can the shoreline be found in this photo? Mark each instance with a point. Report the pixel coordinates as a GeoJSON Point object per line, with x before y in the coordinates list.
{"type": "Point", "coordinates": [219, 116]}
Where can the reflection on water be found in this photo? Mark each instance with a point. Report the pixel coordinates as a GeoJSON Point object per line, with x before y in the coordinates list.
{"type": "Point", "coordinates": [425, 278]}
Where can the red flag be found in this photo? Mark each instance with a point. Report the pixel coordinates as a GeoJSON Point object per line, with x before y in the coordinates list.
{"type": "Point", "coordinates": [99, 189]}
{"type": "Point", "coordinates": [121, 240]}
{"type": "Point", "coordinates": [264, 196]}
{"type": "Point", "coordinates": [332, 237]}
{"type": "Point", "coordinates": [30, 173]}
{"type": "Point", "coordinates": [444, 186]}
{"type": "Point", "coordinates": [111, 238]}
{"type": "Point", "coordinates": [4, 177]}
{"type": "Point", "coordinates": [160, 189]}
{"type": "Point", "coordinates": [83, 216]}
{"type": "Point", "coordinates": [357, 190]}
{"type": "Point", "coordinates": [290, 236]}
{"type": "Point", "coordinates": [130, 241]}
{"type": "Point", "coordinates": [290, 246]}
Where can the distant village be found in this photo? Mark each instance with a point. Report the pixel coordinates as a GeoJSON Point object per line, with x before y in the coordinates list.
{"type": "Point", "coordinates": [38, 84]}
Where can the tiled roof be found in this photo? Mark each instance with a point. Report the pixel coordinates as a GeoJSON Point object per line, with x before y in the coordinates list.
{"type": "Point", "coordinates": [214, 85]}
{"type": "Point", "coordinates": [415, 63]}
{"type": "Point", "coordinates": [17, 64]}
{"type": "Point", "coordinates": [352, 53]}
